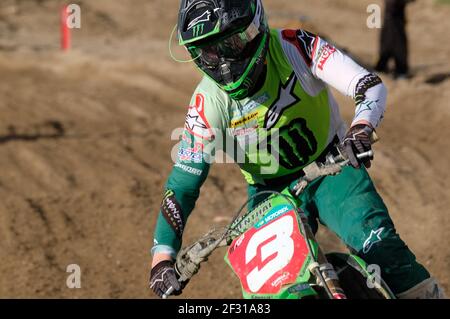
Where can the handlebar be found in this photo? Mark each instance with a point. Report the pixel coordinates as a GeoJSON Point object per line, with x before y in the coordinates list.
{"type": "Point", "coordinates": [333, 165]}
{"type": "Point", "coordinates": [342, 161]}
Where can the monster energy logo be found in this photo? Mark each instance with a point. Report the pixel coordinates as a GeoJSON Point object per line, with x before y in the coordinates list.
{"type": "Point", "coordinates": [295, 146]}
{"type": "Point", "coordinates": [197, 30]}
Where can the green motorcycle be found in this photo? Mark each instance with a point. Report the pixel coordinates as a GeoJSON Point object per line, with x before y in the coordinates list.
{"type": "Point", "coordinates": [273, 251]}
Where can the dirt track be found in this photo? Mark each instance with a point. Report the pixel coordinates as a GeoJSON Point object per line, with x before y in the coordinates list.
{"type": "Point", "coordinates": [85, 142]}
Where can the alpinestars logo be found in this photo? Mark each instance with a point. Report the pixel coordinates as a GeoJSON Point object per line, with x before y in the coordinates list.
{"type": "Point", "coordinates": [196, 122]}
{"type": "Point", "coordinates": [193, 121]}
{"type": "Point", "coordinates": [307, 40]}
{"type": "Point", "coordinates": [374, 237]}
{"type": "Point", "coordinates": [203, 18]}
{"type": "Point", "coordinates": [286, 99]}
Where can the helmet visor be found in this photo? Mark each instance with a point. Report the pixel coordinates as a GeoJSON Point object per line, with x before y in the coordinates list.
{"type": "Point", "coordinates": [234, 48]}
{"type": "Point", "coordinates": [236, 51]}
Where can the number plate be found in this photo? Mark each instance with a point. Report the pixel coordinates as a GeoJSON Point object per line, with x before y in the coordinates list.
{"type": "Point", "coordinates": [270, 254]}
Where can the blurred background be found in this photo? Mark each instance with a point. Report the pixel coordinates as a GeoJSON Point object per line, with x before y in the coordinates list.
{"type": "Point", "coordinates": [85, 141]}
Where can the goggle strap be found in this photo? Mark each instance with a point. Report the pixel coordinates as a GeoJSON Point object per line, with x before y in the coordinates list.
{"type": "Point", "coordinates": [171, 52]}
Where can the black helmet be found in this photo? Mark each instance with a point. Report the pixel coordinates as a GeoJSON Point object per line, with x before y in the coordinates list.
{"type": "Point", "coordinates": [228, 40]}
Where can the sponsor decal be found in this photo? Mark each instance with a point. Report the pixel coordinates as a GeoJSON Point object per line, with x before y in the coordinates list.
{"type": "Point", "coordinates": [255, 103]}
{"type": "Point", "coordinates": [364, 106]}
{"type": "Point", "coordinates": [198, 30]}
{"type": "Point", "coordinates": [203, 18]}
{"type": "Point", "coordinates": [246, 136]}
{"type": "Point", "coordinates": [307, 42]}
{"type": "Point", "coordinates": [237, 243]}
{"type": "Point", "coordinates": [196, 122]}
{"type": "Point", "coordinates": [286, 98]}
{"type": "Point", "coordinates": [244, 131]}
{"type": "Point", "coordinates": [171, 210]}
{"type": "Point", "coordinates": [364, 84]}
{"type": "Point", "coordinates": [263, 208]}
{"type": "Point", "coordinates": [325, 52]}
{"type": "Point", "coordinates": [281, 279]}
{"type": "Point", "coordinates": [191, 154]}
{"type": "Point", "coordinates": [188, 169]}
{"type": "Point", "coordinates": [293, 146]}
{"type": "Point", "coordinates": [299, 288]}
{"type": "Point", "coordinates": [244, 120]}
{"type": "Point", "coordinates": [304, 41]}
{"type": "Point", "coordinates": [272, 215]}
{"type": "Point", "coordinates": [255, 214]}
{"type": "Point", "coordinates": [374, 237]}
{"type": "Point", "coordinates": [198, 24]}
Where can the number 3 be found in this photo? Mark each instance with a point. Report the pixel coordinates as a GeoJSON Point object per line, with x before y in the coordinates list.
{"type": "Point", "coordinates": [282, 245]}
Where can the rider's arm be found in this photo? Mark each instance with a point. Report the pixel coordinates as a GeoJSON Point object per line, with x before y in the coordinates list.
{"type": "Point", "coordinates": [340, 71]}
{"type": "Point", "coordinates": [183, 185]}
{"type": "Point", "coordinates": [181, 192]}
{"type": "Point", "coordinates": [335, 68]}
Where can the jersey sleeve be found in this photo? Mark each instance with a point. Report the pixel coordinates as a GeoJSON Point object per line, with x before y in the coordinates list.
{"type": "Point", "coordinates": [195, 153]}
{"type": "Point", "coordinates": [335, 68]}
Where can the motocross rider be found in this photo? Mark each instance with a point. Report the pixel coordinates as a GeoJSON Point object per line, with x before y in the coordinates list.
{"type": "Point", "coordinates": [279, 80]}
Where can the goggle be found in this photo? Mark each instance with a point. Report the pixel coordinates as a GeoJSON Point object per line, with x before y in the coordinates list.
{"type": "Point", "coordinates": [236, 47]}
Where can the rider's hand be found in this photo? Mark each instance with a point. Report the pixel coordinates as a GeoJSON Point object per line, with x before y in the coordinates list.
{"type": "Point", "coordinates": [357, 141]}
{"type": "Point", "coordinates": [162, 277]}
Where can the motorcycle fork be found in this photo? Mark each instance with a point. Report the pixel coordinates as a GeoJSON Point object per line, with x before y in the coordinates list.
{"type": "Point", "coordinates": [323, 271]}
